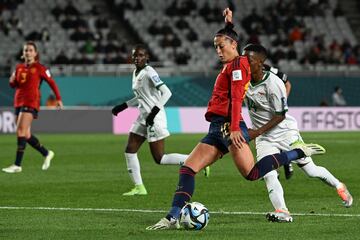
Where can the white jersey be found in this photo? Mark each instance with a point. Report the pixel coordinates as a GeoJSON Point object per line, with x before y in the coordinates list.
{"type": "Point", "coordinates": [266, 99]}
{"type": "Point", "coordinates": [145, 86]}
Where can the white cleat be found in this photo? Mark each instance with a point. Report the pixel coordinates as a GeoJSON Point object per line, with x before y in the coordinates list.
{"type": "Point", "coordinates": [12, 169]}
{"type": "Point", "coordinates": [279, 216]}
{"type": "Point", "coordinates": [47, 160]}
{"type": "Point", "coordinates": [309, 149]}
{"type": "Point", "coordinates": [164, 224]}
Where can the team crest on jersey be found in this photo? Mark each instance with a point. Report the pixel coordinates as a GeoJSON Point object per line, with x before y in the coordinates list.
{"type": "Point", "coordinates": [156, 79]}
{"type": "Point", "coordinates": [236, 75]}
{"type": "Point", "coordinates": [32, 70]}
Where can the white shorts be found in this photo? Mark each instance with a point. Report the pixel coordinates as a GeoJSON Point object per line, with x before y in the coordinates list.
{"type": "Point", "coordinates": [265, 147]}
{"type": "Point", "coordinates": [152, 133]}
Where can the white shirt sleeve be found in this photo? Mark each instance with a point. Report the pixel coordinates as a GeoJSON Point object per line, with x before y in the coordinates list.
{"type": "Point", "coordinates": [277, 94]}
{"type": "Point", "coordinates": [154, 77]}
{"type": "Point", "coordinates": [165, 95]}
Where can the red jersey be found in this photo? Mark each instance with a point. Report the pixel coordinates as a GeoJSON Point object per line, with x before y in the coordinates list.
{"type": "Point", "coordinates": [28, 79]}
{"type": "Point", "coordinates": [229, 91]}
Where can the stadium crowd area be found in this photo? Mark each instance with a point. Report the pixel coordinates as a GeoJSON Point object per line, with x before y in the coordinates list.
{"type": "Point", "coordinates": [297, 33]}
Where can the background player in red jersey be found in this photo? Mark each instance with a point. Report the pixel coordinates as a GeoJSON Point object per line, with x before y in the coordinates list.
{"type": "Point", "coordinates": [228, 131]}
{"type": "Point", "coordinates": [26, 80]}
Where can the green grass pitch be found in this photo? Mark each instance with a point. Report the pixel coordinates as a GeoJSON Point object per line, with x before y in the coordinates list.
{"type": "Point", "coordinates": [79, 197]}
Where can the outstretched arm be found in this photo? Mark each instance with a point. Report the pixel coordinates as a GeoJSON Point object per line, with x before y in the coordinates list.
{"type": "Point", "coordinates": [274, 121]}
{"type": "Point", "coordinates": [121, 107]}
{"type": "Point", "coordinates": [227, 13]}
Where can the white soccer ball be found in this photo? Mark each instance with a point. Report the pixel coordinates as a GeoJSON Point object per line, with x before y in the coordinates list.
{"type": "Point", "coordinates": [194, 216]}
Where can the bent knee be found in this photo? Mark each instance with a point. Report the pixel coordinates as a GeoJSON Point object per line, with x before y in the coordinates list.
{"type": "Point", "coordinates": [131, 148]}
{"type": "Point", "coordinates": [250, 178]}
{"type": "Point", "coordinates": [157, 159]}
{"type": "Point", "coordinates": [22, 132]}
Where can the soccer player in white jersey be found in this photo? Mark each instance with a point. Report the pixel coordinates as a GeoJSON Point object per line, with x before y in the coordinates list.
{"type": "Point", "coordinates": [289, 171]}
{"type": "Point", "coordinates": [276, 131]}
{"type": "Point", "coordinates": [151, 94]}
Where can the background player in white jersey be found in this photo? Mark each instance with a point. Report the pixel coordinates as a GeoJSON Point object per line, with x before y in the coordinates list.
{"type": "Point", "coordinates": [151, 94]}
{"type": "Point", "coordinates": [287, 167]}
{"type": "Point", "coordinates": [276, 131]}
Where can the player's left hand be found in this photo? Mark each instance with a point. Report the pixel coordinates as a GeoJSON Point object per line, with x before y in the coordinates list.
{"type": "Point", "coordinates": [227, 13]}
{"type": "Point", "coordinates": [150, 118]}
{"type": "Point", "coordinates": [59, 104]}
{"type": "Point", "coordinates": [237, 139]}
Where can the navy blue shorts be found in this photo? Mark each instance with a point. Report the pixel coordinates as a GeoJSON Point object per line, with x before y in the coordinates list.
{"type": "Point", "coordinates": [219, 133]}
{"type": "Point", "coordinates": [33, 111]}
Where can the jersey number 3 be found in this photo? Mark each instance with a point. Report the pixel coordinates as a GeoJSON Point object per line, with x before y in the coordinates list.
{"type": "Point", "coordinates": [23, 77]}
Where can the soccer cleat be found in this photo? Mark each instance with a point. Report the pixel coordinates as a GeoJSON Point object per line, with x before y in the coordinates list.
{"type": "Point", "coordinates": [137, 190]}
{"type": "Point", "coordinates": [207, 171]}
{"type": "Point", "coordinates": [279, 216]}
{"type": "Point", "coordinates": [309, 149]}
{"type": "Point", "coordinates": [12, 169]}
{"type": "Point", "coordinates": [164, 224]}
{"type": "Point", "coordinates": [47, 160]}
{"type": "Point", "coordinates": [289, 171]}
{"type": "Point", "coordinates": [345, 195]}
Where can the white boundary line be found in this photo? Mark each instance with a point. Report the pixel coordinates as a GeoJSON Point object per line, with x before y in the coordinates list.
{"type": "Point", "coordinates": [162, 211]}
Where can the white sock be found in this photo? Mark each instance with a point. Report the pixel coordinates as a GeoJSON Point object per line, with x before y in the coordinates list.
{"type": "Point", "coordinates": [173, 159]}
{"type": "Point", "coordinates": [320, 172]}
{"type": "Point", "coordinates": [133, 167]}
{"type": "Point", "coordinates": [275, 190]}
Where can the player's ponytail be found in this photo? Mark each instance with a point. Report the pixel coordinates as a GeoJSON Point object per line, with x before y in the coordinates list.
{"type": "Point", "coordinates": [228, 31]}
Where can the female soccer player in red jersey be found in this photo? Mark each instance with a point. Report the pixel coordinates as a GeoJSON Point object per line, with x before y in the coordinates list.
{"type": "Point", "coordinates": [228, 131]}
{"type": "Point", "coordinates": [26, 80]}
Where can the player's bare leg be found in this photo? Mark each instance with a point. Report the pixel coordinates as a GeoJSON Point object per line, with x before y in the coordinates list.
{"type": "Point", "coordinates": [243, 158]}
{"type": "Point", "coordinates": [203, 155]}
{"type": "Point", "coordinates": [34, 142]}
{"type": "Point", "coordinates": [24, 121]}
{"type": "Point", "coordinates": [157, 151]}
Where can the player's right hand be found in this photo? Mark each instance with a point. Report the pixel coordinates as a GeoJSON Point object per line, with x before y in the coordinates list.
{"type": "Point", "coordinates": [227, 13]}
{"type": "Point", "coordinates": [60, 104]}
{"type": "Point", "coordinates": [12, 80]}
{"type": "Point", "coordinates": [119, 108]}
{"type": "Point", "coordinates": [237, 139]}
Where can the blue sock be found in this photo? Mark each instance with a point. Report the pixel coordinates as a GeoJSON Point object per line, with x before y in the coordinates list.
{"type": "Point", "coordinates": [183, 192]}
{"type": "Point", "coordinates": [271, 162]}
{"type": "Point", "coordinates": [295, 154]}
{"type": "Point", "coordinates": [21, 144]}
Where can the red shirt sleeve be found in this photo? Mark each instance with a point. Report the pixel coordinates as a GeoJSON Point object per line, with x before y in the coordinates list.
{"type": "Point", "coordinates": [239, 82]}
{"type": "Point", "coordinates": [45, 74]}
